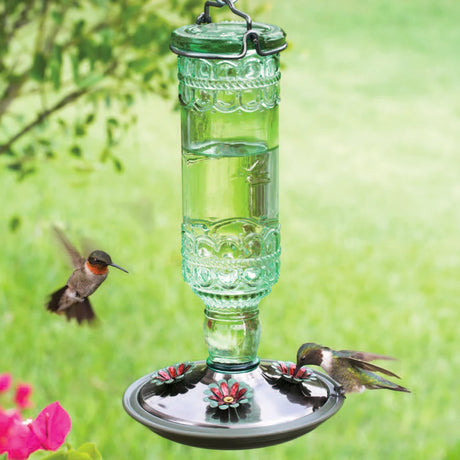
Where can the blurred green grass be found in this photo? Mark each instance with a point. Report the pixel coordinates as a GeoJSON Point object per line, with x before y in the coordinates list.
{"type": "Point", "coordinates": [369, 199]}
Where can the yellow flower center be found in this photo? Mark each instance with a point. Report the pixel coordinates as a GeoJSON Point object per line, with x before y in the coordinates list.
{"type": "Point", "coordinates": [228, 399]}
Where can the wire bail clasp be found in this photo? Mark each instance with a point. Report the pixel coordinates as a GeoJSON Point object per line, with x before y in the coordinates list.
{"type": "Point", "coordinates": [250, 34]}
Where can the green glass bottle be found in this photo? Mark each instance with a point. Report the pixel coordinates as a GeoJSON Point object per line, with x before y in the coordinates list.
{"type": "Point", "coordinates": [230, 230]}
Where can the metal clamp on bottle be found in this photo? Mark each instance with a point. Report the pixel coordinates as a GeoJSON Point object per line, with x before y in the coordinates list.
{"type": "Point", "coordinates": [251, 35]}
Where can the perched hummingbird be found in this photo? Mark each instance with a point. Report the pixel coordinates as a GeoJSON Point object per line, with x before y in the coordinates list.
{"type": "Point", "coordinates": [349, 368]}
{"type": "Point", "coordinates": [89, 274]}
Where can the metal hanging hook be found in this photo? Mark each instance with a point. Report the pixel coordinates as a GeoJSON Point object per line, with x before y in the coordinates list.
{"type": "Point", "coordinates": [250, 34]}
{"type": "Point", "coordinates": [205, 17]}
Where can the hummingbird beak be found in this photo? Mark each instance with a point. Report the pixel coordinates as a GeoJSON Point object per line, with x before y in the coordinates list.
{"type": "Point", "coordinates": [297, 368]}
{"type": "Point", "coordinates": [119, 268]}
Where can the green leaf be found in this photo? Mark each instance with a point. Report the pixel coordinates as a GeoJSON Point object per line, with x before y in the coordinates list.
{"type": "Point", "coordinates": [89, 118]}
{"type": "Point", "coordinates": [131, 11]}
{"type": "Point", "coordinates": [140, 64]}
{"type": "Point", "coordinates": [56, 456]}
{"type": "Point", "coordinates": [75, 150]}
{"type": "Point", "coordinates": [26, 172]}
{"type": "Point", "coordinates": [148, 76]}
{"type": "Point", "coordinates": [9, 152]}
{"type": "Point", "coordinates": [57, 16]}
{"type": "Point", "coordinates": [143, 36]}
{"type": "Point", "coordinates": [75, 68]}
{"type": "Point", "coordinates": [55, 65]}
{"type": "Point", "coordinates": [110, 140]}
{"type": "Point", "coordinates": [129, 99]}
{"type": "Point", "coordinates": [90, 449]}
{"type": "Point", "coordinates": [29, 151]}
{"type": "Point", "coordinates": [74, 455]}
{"type": "Point", "coordinates": [78, 28]}
{"type": "Point", "coordinates": [79, 129]}
{"type": "Point", "coordinates": [105, 154]}
{"type": "Point", "coordinates": [16, 166]}
{"type": "Point", "coordinates": [104, 52]}
{"type": "Point", "coordinates": [37, 72]}
{"type": "Point", "coordinates": [90, 80]}
{"type": "Point", "coordinates": [117, 164]}
{"type": "Point", "coordinates": [85, 49]}
{"type": "Point", "coordinates": [14, 224]}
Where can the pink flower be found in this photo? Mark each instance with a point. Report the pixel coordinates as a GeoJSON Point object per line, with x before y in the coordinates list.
{"type": "Point", "coordinates": [16, 439]}
{"type": "Point", "coordinates": [5, 382]}
{"type": "Point", "coordinates": [21, 398]}
{"type": "Point", "coordinates": [51, 426]}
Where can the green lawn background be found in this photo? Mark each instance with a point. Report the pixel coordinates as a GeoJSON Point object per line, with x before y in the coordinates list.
{"type": "Point", "coordinates": [369, 200]}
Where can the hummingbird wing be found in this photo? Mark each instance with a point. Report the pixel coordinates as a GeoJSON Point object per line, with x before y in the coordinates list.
{"type": "Point", "coordinates": [55, 298]}
{"type": "Point", "coordinates": [76, 257]}
{"type": "Point", "coordinates": [357, 363]}
{"type": "Point", "coordinates": [376, 382]}
{"type": "Point", "coordinates": [362, 355]}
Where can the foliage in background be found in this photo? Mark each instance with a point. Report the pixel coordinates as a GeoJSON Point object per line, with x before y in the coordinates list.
{"type": "Point", "coordinates": [86, 54]}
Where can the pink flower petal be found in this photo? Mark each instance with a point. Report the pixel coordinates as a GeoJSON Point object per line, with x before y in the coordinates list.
{"type": "Point", "coordinates": [5, 382]}
{"type": "Point", "coordinates": [51, 426]}
{"type": "Point", "coordinates": [181, 368]}
{"type": "Point", "coordinates": [7, 419]}
{"type": "Point", "coordinates": [16, 439]}
{"type": "Point", "coordinates": [21, 398]}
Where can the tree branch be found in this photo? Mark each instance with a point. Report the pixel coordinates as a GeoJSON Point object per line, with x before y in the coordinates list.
{"type": "Point", "coordinates": [10, 93]}
{"type": "Point", "coordinates": [71, 97]}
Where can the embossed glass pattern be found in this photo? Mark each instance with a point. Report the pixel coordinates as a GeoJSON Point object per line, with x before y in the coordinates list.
{"type": "Point", "coordinates": [230, 230]}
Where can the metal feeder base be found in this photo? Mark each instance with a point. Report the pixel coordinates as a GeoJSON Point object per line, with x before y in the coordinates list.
{"type": "Point", "coordinates": [279, 407]}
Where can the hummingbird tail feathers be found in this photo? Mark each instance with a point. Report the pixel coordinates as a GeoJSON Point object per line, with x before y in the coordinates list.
{"type": "Point", "coordinates": [81, 311]}
{"type": "Point", "coordinates": [61, 303]}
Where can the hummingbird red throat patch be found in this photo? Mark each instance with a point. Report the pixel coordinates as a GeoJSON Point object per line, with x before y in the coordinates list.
{"type": "Point", "coordinates": [97, 269]}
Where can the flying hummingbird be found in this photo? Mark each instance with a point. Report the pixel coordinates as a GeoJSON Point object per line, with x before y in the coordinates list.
{"type": "Point", "coordinates": [89, 274]}
{"type": "Point", "coordinates": [349, 368]}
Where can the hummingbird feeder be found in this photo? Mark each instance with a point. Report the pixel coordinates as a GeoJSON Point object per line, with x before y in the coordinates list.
{"type": "Point", "coordinates": [229, 95]}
